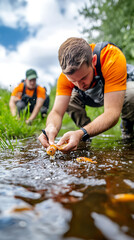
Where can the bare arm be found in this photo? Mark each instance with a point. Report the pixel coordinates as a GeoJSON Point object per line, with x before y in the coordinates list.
{"type": "Point", "coordinates": [54, 119]}
{"type": "Point", "coordinates": [113, 103]}
{"type": "Point", "coordinates": [12, 104]}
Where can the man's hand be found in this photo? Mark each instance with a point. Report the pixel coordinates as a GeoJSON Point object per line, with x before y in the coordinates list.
{"type": "Point", "coordinates": [28, 121]}
{"type": "Point", "coordinates": [51, 134]}
{"type": "Point", "coordinates": [42, 138]}
{"type": "Point", "coordinates": [72, 138]}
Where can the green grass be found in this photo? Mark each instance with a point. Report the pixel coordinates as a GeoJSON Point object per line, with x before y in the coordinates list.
{"type": "Point", "coordinates": [12, 128]}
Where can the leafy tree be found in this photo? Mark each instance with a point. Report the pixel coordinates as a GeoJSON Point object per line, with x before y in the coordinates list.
{"type": "Point", "coordinates": [111, 20]}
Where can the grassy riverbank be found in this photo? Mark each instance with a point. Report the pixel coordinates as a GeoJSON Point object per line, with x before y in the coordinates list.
{"type": "Point", "coordinates": [12, 128]}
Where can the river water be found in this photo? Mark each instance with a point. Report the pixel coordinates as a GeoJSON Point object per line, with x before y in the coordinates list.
{"type": "Point", "coordinates": [55, 199]}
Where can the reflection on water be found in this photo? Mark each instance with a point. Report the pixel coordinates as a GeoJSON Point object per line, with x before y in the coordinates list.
{"type": "Point", "coordinates": [43, 198]}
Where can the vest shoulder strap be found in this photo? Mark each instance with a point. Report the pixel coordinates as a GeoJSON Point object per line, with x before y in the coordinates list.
{"type": "Point", "coordinates": [97, 51]}
{"type": "Point", "coordinates": [35, 91]}
{"type": "Point", "coordinates": [24, 89]}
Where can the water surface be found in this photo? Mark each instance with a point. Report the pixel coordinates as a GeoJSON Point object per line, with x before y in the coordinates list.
{"type": "Point", "coordinates": [43, 198]}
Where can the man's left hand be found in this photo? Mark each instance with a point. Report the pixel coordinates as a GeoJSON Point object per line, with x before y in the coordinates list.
{"type": "Point", "coordinates": [72, 138]}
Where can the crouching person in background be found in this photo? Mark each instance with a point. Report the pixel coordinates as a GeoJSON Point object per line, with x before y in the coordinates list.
{"type": "Point", "coordinates": [29, 93]}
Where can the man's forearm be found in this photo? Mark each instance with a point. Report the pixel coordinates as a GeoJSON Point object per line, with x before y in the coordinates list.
{"type": "Point", "coordinates": [102, 123]}
{"type": "Point", "coordinates": [113, 103]}
{"type": "Point", "coordinates": [12, 104]}
{"type": "Point", "coordinates": [13, 109]}
{"type": "Point", "coordinates": [34, 113]}
{"type": "Point", "coordinates": [38, 105]}
{"type": "Point", "coordinates": [54, 120]}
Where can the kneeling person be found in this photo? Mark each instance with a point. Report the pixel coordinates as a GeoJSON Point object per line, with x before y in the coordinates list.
{"type": "Point", "coordinates": [29, 92]}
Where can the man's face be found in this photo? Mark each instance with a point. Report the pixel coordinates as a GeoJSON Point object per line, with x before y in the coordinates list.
{"type": "Point", "coordinates": [83, 77]}
{"type": "Point", "coordinates": [31, 84]}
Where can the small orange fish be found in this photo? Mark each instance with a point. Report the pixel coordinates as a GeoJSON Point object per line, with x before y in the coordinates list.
{"type": "Point", "coordinates": [85, 159]}
{"type": "Point", "coordinates": [21, 209]}
{"type": "Point", "coordinates": [124, 197]}
{"type": "Point", "coordinates": [51, 150]}
{"type": "Point", "coordinates": [60, 148]}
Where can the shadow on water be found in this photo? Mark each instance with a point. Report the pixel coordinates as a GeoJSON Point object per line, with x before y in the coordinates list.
{"type": "Point", "coordinates": [43, 198]}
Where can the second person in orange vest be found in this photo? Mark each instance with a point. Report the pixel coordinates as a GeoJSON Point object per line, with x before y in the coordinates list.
{"type": "Point", "coordinates": [28, 92]}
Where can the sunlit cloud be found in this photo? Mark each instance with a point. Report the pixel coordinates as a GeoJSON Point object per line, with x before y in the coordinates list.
{"type": "Point", "coordinates": [48, 24]}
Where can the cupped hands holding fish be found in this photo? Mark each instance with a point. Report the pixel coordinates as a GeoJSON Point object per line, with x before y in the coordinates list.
{"type": "Point", "coordinates": [68, 142]}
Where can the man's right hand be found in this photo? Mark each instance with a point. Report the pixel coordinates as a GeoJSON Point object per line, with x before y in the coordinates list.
{"type": "Point", "coordinates": [51, 134]}
{"type": "Point", "coordinates": [42, 138]}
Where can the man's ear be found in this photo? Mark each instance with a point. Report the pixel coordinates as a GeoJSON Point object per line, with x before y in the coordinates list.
{"type": "Point", "coordinates": [94, 60]}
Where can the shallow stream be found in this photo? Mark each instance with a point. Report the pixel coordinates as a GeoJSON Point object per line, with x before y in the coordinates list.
{"type": "Point", "coordinates": [55, 199]}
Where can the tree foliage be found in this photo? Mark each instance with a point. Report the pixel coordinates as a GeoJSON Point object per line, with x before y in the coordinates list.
{"type": "Point", "coordinates": [111, 20]}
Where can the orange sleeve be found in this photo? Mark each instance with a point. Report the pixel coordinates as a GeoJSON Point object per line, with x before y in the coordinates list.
{"type": "Point", "coordinates": [17, 92]}
{"type": "Point", "coordinates": [41, 92]}
{"type": "Point", "coordinates": [114, 68]}
{"type": "Point", "coordinates": [64, 86]}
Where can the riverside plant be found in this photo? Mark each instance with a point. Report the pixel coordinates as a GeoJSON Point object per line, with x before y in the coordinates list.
{"type": "Point", "coordinates": [5, 142]}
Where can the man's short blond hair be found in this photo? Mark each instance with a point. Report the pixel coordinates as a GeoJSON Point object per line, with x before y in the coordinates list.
{"type": "Point", "coordinates": [73, 53]}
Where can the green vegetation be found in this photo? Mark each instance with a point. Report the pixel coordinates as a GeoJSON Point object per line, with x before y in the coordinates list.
{"type": "Point", "coordinates": [111, 20]}
{"type": "Point", "coordinates": [10, 126]}
{"type": "Point", "coordinates": [12, 129]}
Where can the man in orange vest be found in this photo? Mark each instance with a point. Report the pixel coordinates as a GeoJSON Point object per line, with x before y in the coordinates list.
{"type": "Point", "coordinates": [92, 79]}
{"type": "Point", "coordinates": [28, 92]}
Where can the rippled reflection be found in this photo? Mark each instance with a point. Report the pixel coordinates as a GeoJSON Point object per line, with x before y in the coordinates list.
{"type": "Point", "coordinates": [43, 198]}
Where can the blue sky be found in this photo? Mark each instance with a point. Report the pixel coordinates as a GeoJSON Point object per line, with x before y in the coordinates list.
{"type": "Point", "coordinates": [31, 33]}
{"type": "Point", "coordinates": [17, 36]}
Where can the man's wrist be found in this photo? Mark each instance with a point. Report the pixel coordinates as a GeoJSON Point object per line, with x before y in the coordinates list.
{"type": "Point", "coordinates": [85, 134]}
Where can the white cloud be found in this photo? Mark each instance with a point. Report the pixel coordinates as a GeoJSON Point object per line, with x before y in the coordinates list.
{"type": "Point", "coordinates": [39, 51]}
{"type": "Point", "coordinates": [11, 12]}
